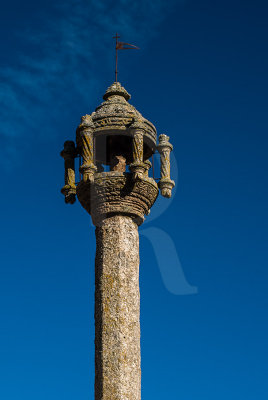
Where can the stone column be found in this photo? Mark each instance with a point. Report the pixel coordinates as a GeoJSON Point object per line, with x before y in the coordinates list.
{"type": "Point", "coordinates": [117, 206]}
{"type": "Point", "coordinates": [85, 144]}
{"type": "Point", "coordinates": [164, 147]}
{"type": "Point", "coordinates": [117, 310]}
{"type": "Point", "coordinates": [69, 189]}
{"type": "Point", "coordinates": [137, 167]}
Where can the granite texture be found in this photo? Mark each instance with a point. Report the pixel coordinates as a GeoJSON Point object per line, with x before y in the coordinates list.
{"type": "Point", "coordinates": [116, 113]}
{"type": "Point", "coordinates": [164, 148]}
{"type": "Point", "coordinates": [116, 193]}
{"type": "Point", "coordinates": [117, 205]}
{"type": "Point", "coordinates": [117, 310]}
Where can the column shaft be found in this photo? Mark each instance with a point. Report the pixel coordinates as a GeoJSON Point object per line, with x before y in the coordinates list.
{"type": "Point", "coordinates": [137, 147]}
{"type": "Point", "coordinates": [117, 310]}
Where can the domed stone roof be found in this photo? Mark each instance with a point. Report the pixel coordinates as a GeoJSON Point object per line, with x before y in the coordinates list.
{"type": "Point", "coordinates": [116, 115]}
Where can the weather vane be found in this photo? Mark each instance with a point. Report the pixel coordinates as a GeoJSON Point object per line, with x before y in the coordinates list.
{"type": "Point", "coordinates": [121, 46]}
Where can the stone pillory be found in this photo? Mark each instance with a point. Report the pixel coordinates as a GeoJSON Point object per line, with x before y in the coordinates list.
{"type": "Point", "coordinates": [118, 138]}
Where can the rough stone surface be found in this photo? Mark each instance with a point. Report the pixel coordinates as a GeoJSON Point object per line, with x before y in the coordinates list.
{"type": "Point", "coordinates": [116, 113]}
{"type": "Point", "coordinates": [116, 193]}
{"type": "Point", "coordinates": [118, 164]}
{"type": "Point", "coordinates": [117, 205]}
{"type": "Point", "coordinates": [117, 310]}
{"type": "Point", "coordinates": [164, 148]}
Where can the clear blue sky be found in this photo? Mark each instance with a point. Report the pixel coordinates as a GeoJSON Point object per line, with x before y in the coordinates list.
{"type": "Point", "coordinates": [201, 78]}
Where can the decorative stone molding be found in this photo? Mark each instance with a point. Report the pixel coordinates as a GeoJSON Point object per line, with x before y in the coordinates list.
{"type": "Point", "coordinates": [115, 193]}
{"type": "Point", "coordinates": [69, 189]}
{"type": "Point", "coordinates": [164, 148]}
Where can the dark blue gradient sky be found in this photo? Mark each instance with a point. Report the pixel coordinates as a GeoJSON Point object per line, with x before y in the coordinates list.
{"type": "Point", "coordinates": [201, 78]}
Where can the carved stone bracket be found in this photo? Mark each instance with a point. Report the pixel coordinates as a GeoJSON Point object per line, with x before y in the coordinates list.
{"type": "Point", "coordinates": [164, 148]}
{"type": "Point", "coordinates": [69, 189]}
{"type": "Point", "coordinates": [115, 193]}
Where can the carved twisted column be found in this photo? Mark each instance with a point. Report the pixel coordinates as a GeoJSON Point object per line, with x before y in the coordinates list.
{"type": "Point", "coordinates": [69, 189]}
{"type": "Point", "coordinates": [85, 143]}
{"type": "Point", "coordinates": [117, 206]}
{"type": "Point", "coordinates": [138, 147]}
{"type": "Point", "coordinates": [164, 148]}
{"type": "Point", "coordinates": [137, 166]}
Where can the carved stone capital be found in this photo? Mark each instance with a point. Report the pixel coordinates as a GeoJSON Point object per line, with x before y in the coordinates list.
{"type": "Point", "coordinates": [148, 165]}
{"type": "Point", "coordinates": [137, 124]}
{"type": "Point", "coordinates": [164, 143]}
{"type": "Point", "coordinates": [88, 170]}
{"type": "Point", "coordinates": [115, 193]}
{"type": "Point", "coordinates": [138, 170]}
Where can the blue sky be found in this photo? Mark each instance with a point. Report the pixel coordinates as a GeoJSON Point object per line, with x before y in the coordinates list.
{"type": "Point", "coordinates": [201, 78]}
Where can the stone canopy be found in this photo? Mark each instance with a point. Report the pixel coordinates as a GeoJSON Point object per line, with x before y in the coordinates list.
{"type": "Point", "coordinates": [116, 116]}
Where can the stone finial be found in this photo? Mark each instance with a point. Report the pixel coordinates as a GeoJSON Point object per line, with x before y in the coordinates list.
{"type": "Point", "coordinates": [69, 189]}
{"type": "Point", "coordinates": [116, 89]}
{"type": "Point", "coordinates": [86, 121]}
{"type": "Point", "coordinates": [164, 148]}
